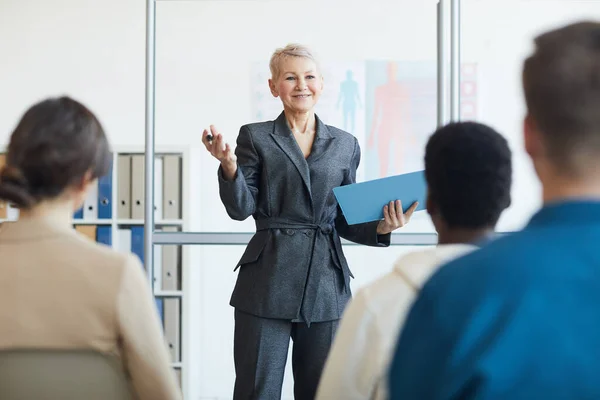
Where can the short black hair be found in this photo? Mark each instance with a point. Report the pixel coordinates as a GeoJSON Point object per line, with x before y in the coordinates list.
{"type": "Point", "coordinates": [561, 83]}
{"type": "Point", "coordinates": [469, 174]}
{"type": "Point", "coordinates": [55, 144]}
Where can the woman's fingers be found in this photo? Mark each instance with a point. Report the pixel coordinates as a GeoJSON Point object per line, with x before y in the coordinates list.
{"type": "Point", "coordinates": [399, 212]}
{"type": "Point", "coordinates": [214, 131]}
{"type": "Point", "coordinates": [393, 217]}
{"type": "Point", "coordinates": [215, 144]}
{"type": "Point", "coordinates": [229, 154]}
{"type": "Point", "coordinates": [411, 210]}
{"type": "Point", "coordinates": [205, 140]}
{"type": "Point", "coordinates": [386, 213]}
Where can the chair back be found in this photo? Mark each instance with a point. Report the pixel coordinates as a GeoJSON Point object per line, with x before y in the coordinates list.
{"type": "Point", "coordinates": [62, 374]}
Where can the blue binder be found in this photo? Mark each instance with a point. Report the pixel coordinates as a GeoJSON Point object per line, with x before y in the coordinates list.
{"type": "Point", "coordinates": [105, 196]}
{"type": "Point", "coordinates": [78, 214]}
{"type": "Point", "coordinates": [160, 309]}
{"type": "Point", "coordinates": [363, 202]}
{"type": "Point", "coordinates": [137, 242]}
{"type": "Point", "coordinates": [104, 235]}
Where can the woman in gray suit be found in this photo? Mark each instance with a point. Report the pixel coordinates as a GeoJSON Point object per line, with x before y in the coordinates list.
{"type": "Point", "coordinates": [294, 280]}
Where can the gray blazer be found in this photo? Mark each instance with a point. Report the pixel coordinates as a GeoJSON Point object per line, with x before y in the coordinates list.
{"type": "Point", "coordinates": [293, 267]}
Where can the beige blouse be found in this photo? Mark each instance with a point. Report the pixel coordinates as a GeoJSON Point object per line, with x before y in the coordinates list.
{"type": "Point", "coordinates": [61, 290]}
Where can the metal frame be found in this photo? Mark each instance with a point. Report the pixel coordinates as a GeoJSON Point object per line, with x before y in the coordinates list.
{"type": "Point", "coordinates": [150, 150]}
{"type": "Point", "coordinates": [226, 238]}
{"type": "Point", "coordinates": [442, 65]}
{"type": "Point", "coordinates": [455, 41]}
{"type": "Point", "coordinates": [192, 238]}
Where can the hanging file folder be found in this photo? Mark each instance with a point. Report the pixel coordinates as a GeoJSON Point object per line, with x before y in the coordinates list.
{"type": "Point", "coordinates": [123, 242]}
{"type": "Point", "coordinates": [137, 242]}
{"type": "Point", "coordinates": [105, 195]}
{"type": "Point", "coordinates": [158, 188]}
{"type": "Point", "coordinates": [171, 187]}
{"type": "Point", "coordinates": [172, 315]}
{"type": "Point", "coordinates": [137, 187]}
{"type": "Point", "coordinates": [124, 186]}
{"type": "Point", "coordinates": [90, 204]}
{"type": "Point", "coordinates": [170, 264]}
{"type": "Point", "coordinates": [104, 235]}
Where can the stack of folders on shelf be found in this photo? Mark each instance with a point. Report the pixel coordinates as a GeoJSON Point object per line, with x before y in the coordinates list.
{"type": "Point", "coordinates": [167, 187]}
{"type": "Point", "coordinates": [99, 233]}
{"type": "Point", "coordinates": [98, 202]}
{"type": "Point", "coordinates": [167, 278]}
{"type": "Point", "coordinates": [130, 190]}
{"type": "Point", "coordinates": [7, 211]}
{"type": "Point", "coordinates": [169, 311]}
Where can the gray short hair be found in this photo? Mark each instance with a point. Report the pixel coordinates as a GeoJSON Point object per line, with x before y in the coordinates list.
{"type": "Point", "coordinates": [291, 50]}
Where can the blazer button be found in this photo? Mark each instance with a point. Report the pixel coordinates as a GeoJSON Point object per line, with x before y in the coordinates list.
{"type": "Point", "coordinates": [289, 232]}
{"type": "Point", "coordinates": [309, 233]}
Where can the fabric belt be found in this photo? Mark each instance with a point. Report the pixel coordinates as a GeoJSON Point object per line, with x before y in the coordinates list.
{"type": "Point", "coordinates": [323, 233]}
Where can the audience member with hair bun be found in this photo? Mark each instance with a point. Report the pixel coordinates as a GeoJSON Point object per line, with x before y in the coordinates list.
{"type": "Point", "coordinates": [59, 289]}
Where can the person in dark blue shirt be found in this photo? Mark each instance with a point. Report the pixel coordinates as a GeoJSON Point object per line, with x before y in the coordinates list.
{"type": "Point", "coordinates": [520, 318]}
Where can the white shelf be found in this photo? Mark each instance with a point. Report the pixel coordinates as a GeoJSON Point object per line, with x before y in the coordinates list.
{"type": "Point", "coordinates": [79, 221]}
{"type": "Point", "coordinates": [108, 221]}
{"type": "Point", "coordinates": [168, 293]}
{"type": "Point", "coordinates": [156, 222]}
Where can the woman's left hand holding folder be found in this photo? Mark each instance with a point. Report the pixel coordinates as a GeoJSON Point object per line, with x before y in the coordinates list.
{"type": "Point", "coordinates": [394, 217]}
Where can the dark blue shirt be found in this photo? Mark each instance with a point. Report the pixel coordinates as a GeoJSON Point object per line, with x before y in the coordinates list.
{"type": "Point", "coordinates": [518, 319]}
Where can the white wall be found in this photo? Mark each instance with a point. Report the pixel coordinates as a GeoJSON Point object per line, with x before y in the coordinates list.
{"type": "Point", "coordinates": [94, 50]}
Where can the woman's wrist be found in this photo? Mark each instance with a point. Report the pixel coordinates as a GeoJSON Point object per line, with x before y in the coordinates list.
{"type": "Point", "coordinates": [229, 169]}
{"type": "Point", "coordinates": [381, 228]}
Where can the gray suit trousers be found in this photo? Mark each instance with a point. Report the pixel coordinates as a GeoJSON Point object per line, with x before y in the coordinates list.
{"type": "Point", "coordinates": [260, 354]}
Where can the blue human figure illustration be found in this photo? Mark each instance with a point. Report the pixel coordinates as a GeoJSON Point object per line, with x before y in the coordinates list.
{"type": "Point", "coordinates": [350, 98]}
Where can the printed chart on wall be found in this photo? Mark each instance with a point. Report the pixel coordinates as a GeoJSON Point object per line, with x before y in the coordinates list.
{"type": "Point", "coordinates": [401, 113]}
{"type": "Point", "coordinates": [390, 106]}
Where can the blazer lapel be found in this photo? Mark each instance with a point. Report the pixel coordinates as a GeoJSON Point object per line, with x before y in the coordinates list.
{"type": "Point", "coordinates": [285, 140]}
{"type": "Point", "coordinates": [322, 142]}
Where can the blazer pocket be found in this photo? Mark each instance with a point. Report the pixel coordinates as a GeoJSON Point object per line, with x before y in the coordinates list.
{"type": "Point", "coordinates": [339, 260]}
{"type": "Point", "coordinates": [254, 249]}
{"type": "Point", "coordinates": [340, 263]}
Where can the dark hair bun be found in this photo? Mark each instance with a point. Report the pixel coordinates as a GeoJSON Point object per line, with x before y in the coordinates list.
{"type": "Point", "coordinates": [57, 144]}
{"type": "Point", "coordinates": [14, 187]}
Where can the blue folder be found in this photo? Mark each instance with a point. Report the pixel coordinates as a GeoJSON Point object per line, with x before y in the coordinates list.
{"type": "Point", "coordinates": [363, 202]}
{"type": "Point", "coordinates": [104, 235]}
{"type": "Point", "coordinates": [137, 242]}
{"type": "Point", "coordinates": [78, 214]}
{"type": "Point", "coordinates": [105, 195]}
{"type": "Point", "coordinates": [160, 309]}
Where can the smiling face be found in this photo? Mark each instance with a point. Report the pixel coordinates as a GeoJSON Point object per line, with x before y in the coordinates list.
{"type": "Point", "coordinates": [299, 84]}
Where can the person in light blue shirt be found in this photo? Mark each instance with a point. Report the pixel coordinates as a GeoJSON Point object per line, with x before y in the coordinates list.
{"type": "Point", "coordinates": [520, 318]}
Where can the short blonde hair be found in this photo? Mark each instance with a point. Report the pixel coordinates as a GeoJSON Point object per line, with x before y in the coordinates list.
{"type": "Point", "coordinates": [291, 50]}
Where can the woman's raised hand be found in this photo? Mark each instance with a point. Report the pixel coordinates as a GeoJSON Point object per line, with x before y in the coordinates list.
{"type": "Point", "coordinates": [216, 146]}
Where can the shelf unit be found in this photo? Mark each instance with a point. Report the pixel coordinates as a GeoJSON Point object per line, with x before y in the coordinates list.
{"type": "Point", "coordinates": [180, 361]}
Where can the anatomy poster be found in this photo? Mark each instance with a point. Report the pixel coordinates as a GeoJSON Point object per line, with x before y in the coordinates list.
{"type": "Point", "coordinates": [400, 115]}
{"type": "Point", "coordinates": [390, 106]}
